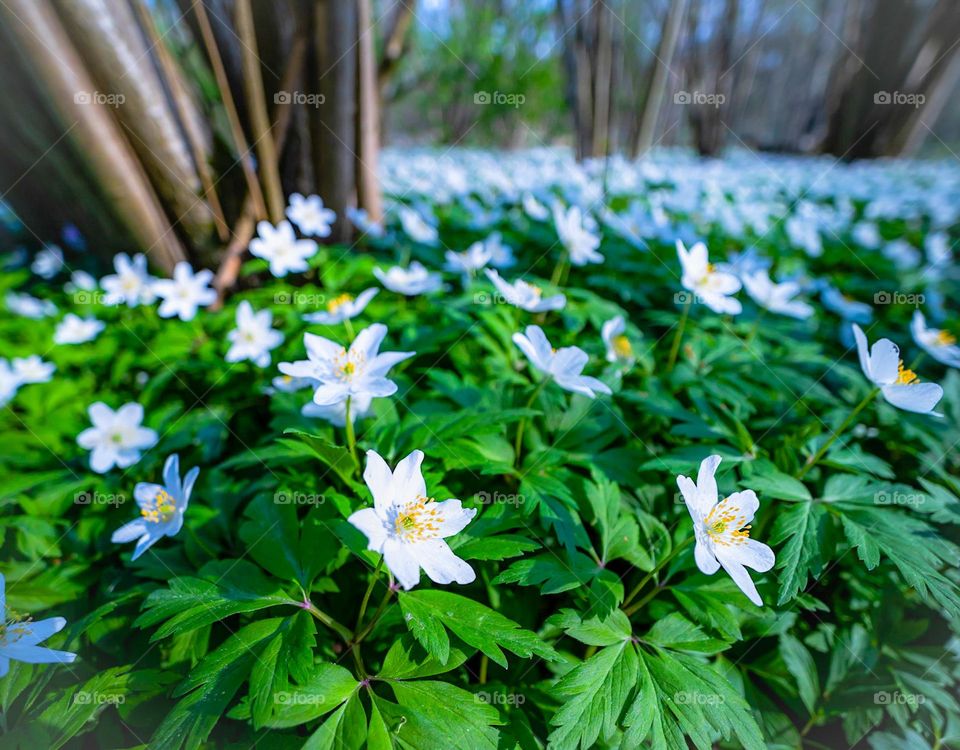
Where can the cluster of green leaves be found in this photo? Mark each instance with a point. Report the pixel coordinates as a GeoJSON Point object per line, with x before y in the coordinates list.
{"type": "Point", "coordinates": [589, 624]}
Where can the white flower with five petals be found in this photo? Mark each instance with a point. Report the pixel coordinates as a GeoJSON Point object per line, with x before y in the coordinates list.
{"type": "Point", "coordinates": [407, 527]}
{"type": "Point", "coordinates": [563, 365]}
{"type": "Point", "coordinates": [310, 216]}
{"type": "Point", "coordinates": [342, 373]}
{"type": "Point", "coordinates": [131, 284]}
{"type": "Point", "coordinates": [117, 437]}
{"type": "Point", "coordinates": [900, 387]}
{"type": "Point", "coordinates": [185, 292]}
{"type": "Point", "coordinates": [722, 529]}
{"type": "Point", "coordinates": [279, 246]}
{"type": "Point", "coordinates": [254, 337]}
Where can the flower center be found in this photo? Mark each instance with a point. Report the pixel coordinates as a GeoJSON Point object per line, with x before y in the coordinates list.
{"type": "Point", "coordinates": [349, 364]}
{"type": "Point", "coordinates": [417, 520]}
{"type": "Point", "coordinates": [621, 346]}
{"type": "Point", "coordinates": [160, 509]}
{"type": "Point", "coordinates": [945, 338]}
{"type": "Point", "coordinates": [335, 304]}
{"type": "Point", "coordinates": [905, 377]}
{"type": "Point", "coordinates": [726, 525]}
{"type": "Point", "coordinates": [13, 626]}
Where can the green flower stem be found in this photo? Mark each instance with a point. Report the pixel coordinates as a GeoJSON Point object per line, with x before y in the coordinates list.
{"type": "Point", "coordinates": [560, 270]}
{"type": "Point", "coordinates": [351, 437]}
{"type": "Point", "coordinates": [660, 566]}
{"type": "Point", "coordinates": [518, 443]}
{"type": "Point", "coordinates": [376, 615]}
{"type": "Point", "coordinates": [812, 461]}
{"type": "Point", "coordinates": [366, 596]}
{"type": "Point", "coordinates": [341, 630]}
{"type": "Point", "coordinates": [678, 336]}
{"type": "Point", "coordinates": [349, 326]}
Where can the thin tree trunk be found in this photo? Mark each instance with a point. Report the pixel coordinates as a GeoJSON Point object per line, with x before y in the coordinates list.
{"type": "Point", "coordinates": [669, 37]}
{"type": "Point", "coordinates": [368, 116]}
{"type": "Point", "coordinates": [92, 127]}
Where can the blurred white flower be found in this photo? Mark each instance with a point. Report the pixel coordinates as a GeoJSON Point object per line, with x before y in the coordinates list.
{"type": "Point", "coordinates": [29, 307]}
{"type": "Point", "coordinates": [616, 342]}
{"type": "Point", "coordinates": [362, 221]}
{"type": "Point", "coordinates": [939, 344]}
{"type": "Point", "coordinates": [580, 242]}
{"type": "Point", "coordinates": [778, 298]}
{"type": "Point", "coordinates": [20, 637]}
{"type": "Point", "coordinates": [32, 369]}
{"type": "Point", "coordinates": [469, 261]}
{"type": "Point", "coordinates": [76, 330]}
{"type": "Point", "coordinates": [900, 387]}
{"type": "Point", "coordinates": [416, 228]}
{"type": "Point", "coordinates": [524, 295]}
{"type": "Point", "coordinates": [310, 216]}
{"type": "Point", "coordinates": [116, 437]}
{"type": "Point", "coordinates": [343, 307]}
{"type": "Point", "coordinates": [131, 284]}
{"type": "Point", "coordinates": [411, 281]}
{"type": "Point", "coordinates": [280, 247]}
{"type": "Point", "coordinates": [254, 337]}
{"type": "Point", "coordinates": [708, 285]}
{"type": "Point", "coordinates": [185, 292]}
{"type": "Point", "coordinates": [48, 262]}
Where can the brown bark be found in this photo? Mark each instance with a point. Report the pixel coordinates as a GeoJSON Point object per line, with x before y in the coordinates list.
{"type": "Point", "coordinates": [669, 36]}
{"type": "Point", "coordinates": [368, 116]}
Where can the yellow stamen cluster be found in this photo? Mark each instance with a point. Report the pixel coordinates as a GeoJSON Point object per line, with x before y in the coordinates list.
{"type": "Point", "coordinates": [945, 338]}
{"type": "Point", "coordinates": [905, 377]}
{"type": "Point", "coordinates": [13, 626]}
{"type": "Point", "coordinates": [726, 524]}
{"type": "Point", "coordinates": [418, 520]}
{"type": "Point", "coordinates": [161, 508]}
{"type": "Point", "coordinates": [335, 304]}
{"type": "Point", "coordinates": [621, 346]}
{"type": "Point", "coordinates": [347, 364]}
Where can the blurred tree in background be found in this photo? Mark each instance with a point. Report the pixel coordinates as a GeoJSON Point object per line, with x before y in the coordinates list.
{"type": "Point", "coordinates": [174, 125]}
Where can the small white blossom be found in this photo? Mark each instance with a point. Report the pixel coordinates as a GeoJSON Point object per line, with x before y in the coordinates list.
{"type": "Point", "coordinates": [343, 307]}
{"type": "Point", "coordinates": [900, 387]}
{"type": "Point", "coordinates": [20, 637]}
{"type": "Point", "coordinates": [310, 216]}
{"type": "Point", "coordinates": [778, 298]}
{"type": "Point", "coordinates": [76, 330]}
{"type": "Point", "coordinates": [524, 295]}
{"type": "Point", "coordinates": [131, 284]}
{"type": "Point", "coordinates": [48, 262]}
{"type": "Point", "coordinates": [614, 335]}
{"type": "Point", "coordinates": [708, 284]}
{"type": "Point", "coordinates": [29, 307]}
{"type": "Point", "coordinates": [563, 365]}
{"type": "Point", "coordinates": [254, 337]}
{"type": "Point", "coordinates": [117, 437]}
{"type": "Point", "coordinates": [33, 369]}
{"type": "Point", "coordinates": [280, 247]}
{"type": "Point", "coordinates": [410, 281]}
{"type": "Point", "coordinates": [581, 243]}
{"type": "Point", "coordinates": [939, 344]}
{"type": "Point", "coordinates": [185, 292]}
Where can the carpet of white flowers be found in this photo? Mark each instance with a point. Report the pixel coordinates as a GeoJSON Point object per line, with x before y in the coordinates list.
{"type": "Point", "coordinates": [609, 455]}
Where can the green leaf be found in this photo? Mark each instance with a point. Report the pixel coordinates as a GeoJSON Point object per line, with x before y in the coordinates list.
{"type": "Point", "coordinates": [327, 687]}
{"type": "Point", "coordinates": [770, 483]}
{"type": "Point", "coordinates": [799, 526]}
{"type": "Point", "coordinates": [439, 714]}
{"type": "Point", "coordinates": [428, 611]}
{"type": "Point", "coordinates": [676, 632]}
{"type": "Point", "coordinates": [594, 694]}
{"type": "Point", "coordinates": [227, 588]}
{"type": "Point", "coordinates": [804, 670]}
{"type": "Point", "coordinates": [406, 659]}
{"type": "Point", "coordinates": [333, 456]}
{"type": "Point", "coordinates": [345, 729]}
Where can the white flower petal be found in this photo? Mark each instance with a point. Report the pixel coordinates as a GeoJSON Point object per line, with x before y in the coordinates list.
{"type": "Point", "coordinates": [401, 563]}
{"type": "Point", "coordinates": [440, 563]}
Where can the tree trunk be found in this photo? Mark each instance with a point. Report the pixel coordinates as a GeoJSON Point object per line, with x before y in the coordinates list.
{"type": "Point", "coordinates": [368, 118]}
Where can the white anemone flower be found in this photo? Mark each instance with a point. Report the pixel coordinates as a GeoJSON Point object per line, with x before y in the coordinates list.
{"type": "Point", "coordinates": [722, 529]}
{"type": "Point", "coordinates": [708, 285]}
{"type": "Point", "coordinates": [33, 369]}
{"type": "Point", "coordinates": [254, 337]}
{"type": "Point", "coordinates": [131, 285]}
{"type": "Point", "coordinates": [342, 373]}
{"type": "Point", "coordinates": [777, 298]}
{"type": "Point", "coordinates": [939, 344]}
{"type": "Point", "coordinates": [614, 335]}
{"type": "Point", "coordinates": [524, 295]}
{"type": "Point", "coordinates": [407, 527]}
{"type": "Point", "coordinates": [501, 254]}
{"type": "Point", "coordinates": [343, 307]}
{"type": "Point", "coordinates": [185, 292]}
{"type": "Point", "coordinates": [48, 262]}
{"type": "Point", "coordinates": [117, 437]}
{"type": "Point", "coordinates": [534, 208]}
{"type": "Point", "coordinates": [580, 242]}
{"type": "Point", "coordinates": [362, 221]}
{"type": "Point", "coordinates": [279, 246]}
{"type": "Point", "coordinates": [416, 227]}
{"type": "Point", "coordinates": [410, 281]}
{"type": "Point", "coordinates": [161, 508]}
{"type": "Point", "coordinates": [469, 261]}
{"type": "Point", "coordinates": [310, 216]}
{"type": "Point", "coordinates": [846, 307]}
{"type": "Point", "coordinates": [29, 307]}
{"type": "Point", "coordinates": [20, 637]}
{"type": "Point", "coordinates": [900, 387]}
{"type": "Point", "coordinates": [76, 330]}
{"type": "Point", "coordinates": [563, 365]}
